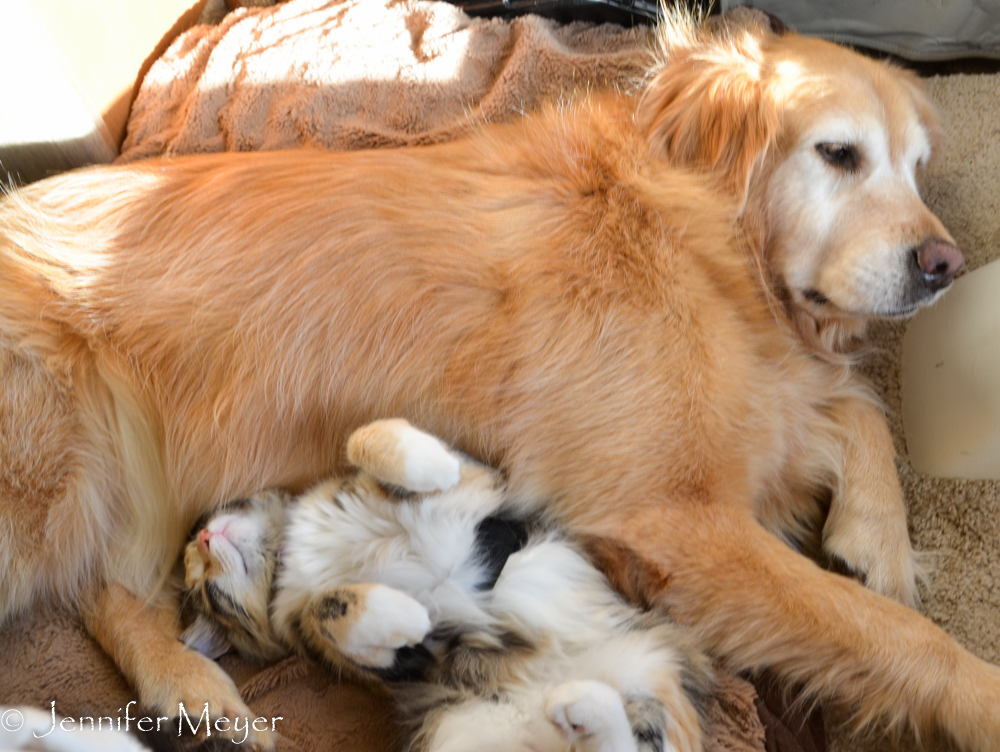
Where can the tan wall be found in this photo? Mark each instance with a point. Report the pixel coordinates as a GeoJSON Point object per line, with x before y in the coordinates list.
{"type": "Point", "coordinates": [68, 73]}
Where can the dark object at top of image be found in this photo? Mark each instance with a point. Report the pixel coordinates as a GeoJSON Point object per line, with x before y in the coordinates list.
{"type": "Point", "coordinates": [624, 12]}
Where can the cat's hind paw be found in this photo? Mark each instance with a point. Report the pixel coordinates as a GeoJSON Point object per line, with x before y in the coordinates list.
{"type": "Point", "coordinates": [591, 715]}
{"type": "Point", "coordinates": [396, 453]}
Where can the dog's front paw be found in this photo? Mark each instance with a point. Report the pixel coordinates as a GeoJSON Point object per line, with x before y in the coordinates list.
{"type": "Point", "coordinates": [201, 701]}
{"type": "Point", "coordinates": [592, 713]}
{"type": "Point", "coordinates": [878, 552]}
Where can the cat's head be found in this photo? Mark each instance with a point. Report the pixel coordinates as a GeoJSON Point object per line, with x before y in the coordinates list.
{"type": "Point", "coordinates": [229, 567]}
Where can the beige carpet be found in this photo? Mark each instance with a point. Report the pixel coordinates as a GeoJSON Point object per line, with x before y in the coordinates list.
{"type": "Point", "coordinates": [958, 521]}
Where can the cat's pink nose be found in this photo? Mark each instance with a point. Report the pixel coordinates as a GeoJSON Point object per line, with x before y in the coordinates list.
{"type": "Point", "coordinates": [204, 536]}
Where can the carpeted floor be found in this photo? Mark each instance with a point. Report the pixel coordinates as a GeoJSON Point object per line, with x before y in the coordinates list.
{"type": "Point", "coordinates": [957, 521]}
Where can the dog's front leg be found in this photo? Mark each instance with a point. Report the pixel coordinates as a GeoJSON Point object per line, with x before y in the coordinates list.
{"type": "Point", "coordinates": [757, 603]}
{"type": "Point", "coordinates": [142, 638]}
{"type": "Point", "coordinates": [866, 527]}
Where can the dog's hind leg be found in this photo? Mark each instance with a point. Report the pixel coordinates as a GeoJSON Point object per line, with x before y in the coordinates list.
{"type": "Point", "coordinates": [758, 603]}
{"type": "Point", "coordinates": [50, 531]}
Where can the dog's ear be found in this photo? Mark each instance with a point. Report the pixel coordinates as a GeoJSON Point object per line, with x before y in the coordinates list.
{"type": "Point", "coordinates": [926, 110]}
{"type": "Point", "coordinates": [708, 107]}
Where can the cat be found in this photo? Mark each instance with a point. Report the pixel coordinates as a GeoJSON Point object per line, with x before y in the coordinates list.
{"type": "Point", "coordinates": [489, 624]}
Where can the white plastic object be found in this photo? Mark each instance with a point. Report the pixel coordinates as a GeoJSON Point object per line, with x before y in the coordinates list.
{"type": "Point", "coordinates": [951, 381]}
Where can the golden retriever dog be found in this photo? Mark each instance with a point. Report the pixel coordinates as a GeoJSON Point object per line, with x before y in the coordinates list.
{"type": "Point", "coordinates": [636, 305]}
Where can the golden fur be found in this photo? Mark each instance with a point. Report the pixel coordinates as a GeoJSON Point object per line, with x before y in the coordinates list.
{"type": "Point", "coordinates": [565, 297]}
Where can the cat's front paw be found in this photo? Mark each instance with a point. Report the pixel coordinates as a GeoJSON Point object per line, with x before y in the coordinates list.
{"type": "Point", "coordinates": [591, 714]}
{"type": "Point", "coordinates": [369, 623]}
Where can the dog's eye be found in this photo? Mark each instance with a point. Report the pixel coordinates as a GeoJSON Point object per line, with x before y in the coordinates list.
{"type": "Point", "coordinates": [842, 156]}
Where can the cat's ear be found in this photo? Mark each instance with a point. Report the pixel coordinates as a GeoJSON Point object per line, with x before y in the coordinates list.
{"type": "Point", "coordinates": [207, 637]}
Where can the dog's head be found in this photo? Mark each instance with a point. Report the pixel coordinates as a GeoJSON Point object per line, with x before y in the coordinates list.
{"type": "Point", "coordinates": [819, 143]}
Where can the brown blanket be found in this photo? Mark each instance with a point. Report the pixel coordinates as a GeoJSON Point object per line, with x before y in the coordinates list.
{"type": "Point", "coordinates": [349, 75]}
{"type": "Point", "coordinates": [48, 657]}
{"type": "Point", "coordinates": [364, 73]}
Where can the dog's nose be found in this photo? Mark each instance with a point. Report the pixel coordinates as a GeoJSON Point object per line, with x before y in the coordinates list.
{"type": "Point", "coordinates": [939, 262]}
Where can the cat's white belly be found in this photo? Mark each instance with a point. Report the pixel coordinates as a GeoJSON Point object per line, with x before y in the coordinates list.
{"type": "Point", "coordinates": [426, 549]}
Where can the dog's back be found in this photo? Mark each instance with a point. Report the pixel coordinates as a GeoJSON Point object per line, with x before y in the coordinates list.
{"type": "Point", "coordinates": [173, 305]}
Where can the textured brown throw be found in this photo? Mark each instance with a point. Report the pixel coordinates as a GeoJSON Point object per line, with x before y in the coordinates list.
{"type": "Point", "coordinates": [48, 656]}
{"type": "Point", "coordinates": [362, 74]}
